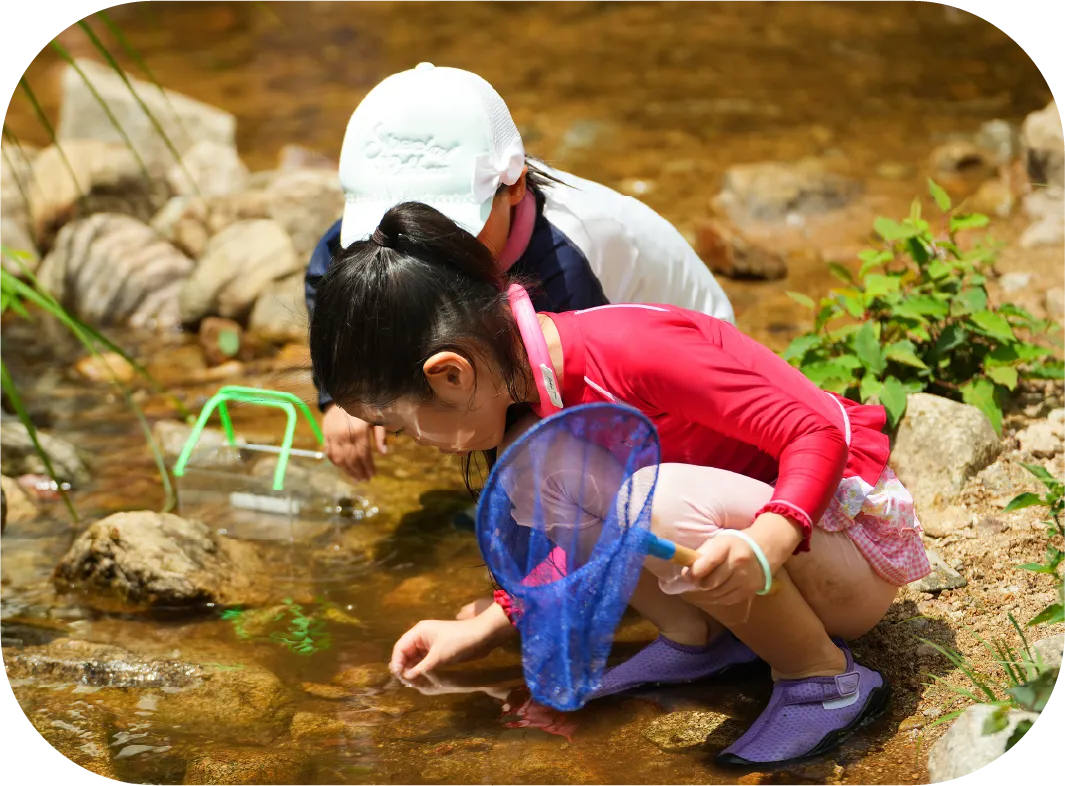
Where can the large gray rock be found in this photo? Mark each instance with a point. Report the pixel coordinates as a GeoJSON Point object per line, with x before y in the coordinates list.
{"type": "Point", "coordinates": [306, 202]}
{"type": "Point", "coordinates": [85, 177]}
{"type": "Point", "coordinates": [208, 168]}
{"type": "Point", "coordinates": [146, 560]}
{"type": "Point", "coordinates": [965, 748]}
{"type": "Point", "coordinates": [1044, 147]}
{"type": "Point", "coordinates": [939, 446]}
{"type": "Point", "coordinates": [280, 313]}
{"type": "Point", "coordinates": [239, 264]}
{"type": "Point", "coordinates": [770, 191]}
{"type": "Point", "coordinates": [183, 120]}
{"type": "Point", "coordinates": [112, 269]}
{"type": "Point", "coordinates": [18, 456]}
{"type": "Point", "coordinates": [1049, 650]}
{"type": "Point", "coordinates": [20, 252]}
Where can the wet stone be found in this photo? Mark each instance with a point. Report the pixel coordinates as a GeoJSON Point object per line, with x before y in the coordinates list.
{"type": "Point", "coordinates": [249, 766]}
{"type": "Point", "coordinates": [362, 677]}
{"type": "Point", "coordinates": [330, 692]}
{"type": "Point", "coordinates": [683, 731]}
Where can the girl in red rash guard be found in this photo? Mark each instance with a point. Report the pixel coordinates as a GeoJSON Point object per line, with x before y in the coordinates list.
{"type": "Point", "coordinates": [414, 332]}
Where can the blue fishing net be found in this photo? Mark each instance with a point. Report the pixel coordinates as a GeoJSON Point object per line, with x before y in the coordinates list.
{"type": "Point", "coordinates": [564, 526]}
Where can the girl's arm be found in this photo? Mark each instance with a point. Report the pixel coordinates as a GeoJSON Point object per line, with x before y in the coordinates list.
{"type": "Point", "coordinates": [715, 376]}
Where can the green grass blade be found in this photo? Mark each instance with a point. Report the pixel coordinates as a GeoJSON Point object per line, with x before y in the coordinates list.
{"type": "Point", "coordinates": [169, 499]}
{"type": "Point", "coordinates": [103, 50]}
{"type": "Point", "coordinates": [24, 418]}
{"type": "Point", "coordinates": [961, 663]}
{"type": "Point", "coordinates": [65, 55]}
{"type": "Point", "coordinates": [135, 56]}
{"type": "Point", "coordinates": [44, 300]}
{"type": "Point", "coordinates": [47, 125]}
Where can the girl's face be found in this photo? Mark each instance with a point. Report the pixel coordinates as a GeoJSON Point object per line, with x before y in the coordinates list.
{"type": "Point", "coordinates": [467, 412]}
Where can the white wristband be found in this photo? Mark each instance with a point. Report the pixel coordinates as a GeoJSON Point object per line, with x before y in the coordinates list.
{"type": "Point", "coordinates": [758, 553]}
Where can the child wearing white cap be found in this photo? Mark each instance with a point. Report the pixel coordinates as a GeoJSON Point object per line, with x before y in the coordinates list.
{"type": "Point", "coordinates": [444, 137]}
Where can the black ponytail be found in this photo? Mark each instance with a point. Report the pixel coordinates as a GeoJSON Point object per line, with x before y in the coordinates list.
{"type": "Point", "coordinates": [419, 286]}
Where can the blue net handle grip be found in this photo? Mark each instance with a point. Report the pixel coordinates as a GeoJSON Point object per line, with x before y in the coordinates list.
{"type": "Point", "coordinates": [669, 551]}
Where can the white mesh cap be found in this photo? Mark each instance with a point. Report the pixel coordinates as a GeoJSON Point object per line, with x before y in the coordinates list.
{"type": "Point", "coordinates": [441, 136]}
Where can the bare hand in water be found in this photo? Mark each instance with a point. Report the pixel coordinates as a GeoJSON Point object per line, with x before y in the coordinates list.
{"type": "Point", "coordinates": [349, 442]}
{"type": "Point", "coordinates": [434, 643]}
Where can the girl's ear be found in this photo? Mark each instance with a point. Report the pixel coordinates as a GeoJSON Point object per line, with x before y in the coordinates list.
{"type": "Point", "coordinates": [516, 192]}
{"type": "Point", "coordinates": [451, 377]}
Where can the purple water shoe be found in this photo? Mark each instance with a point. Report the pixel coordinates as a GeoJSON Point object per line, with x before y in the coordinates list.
{"type": "Point", "coordinates": [666, 662]}
{"type": "Point", "coordinates": [807, 717]}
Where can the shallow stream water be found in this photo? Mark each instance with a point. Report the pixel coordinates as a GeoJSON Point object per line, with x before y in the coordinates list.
{"type": "Point", "coordinates": [657, 99]}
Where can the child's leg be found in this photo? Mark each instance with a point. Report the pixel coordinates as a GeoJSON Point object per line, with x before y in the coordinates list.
{"type": "Point", "coordinates": [690, 645]}
{"type": "Point", "coordinates": [839, 587]}
{"type": "Point", "coordinates": [820, 694]}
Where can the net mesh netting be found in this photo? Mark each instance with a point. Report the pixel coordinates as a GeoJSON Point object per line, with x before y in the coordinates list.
{"type": "Point", "coordinates": [563, 524]}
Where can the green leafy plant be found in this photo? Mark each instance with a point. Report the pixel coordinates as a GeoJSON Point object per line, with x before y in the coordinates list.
{"type": "Point", "coordinates": [1053, 499]}
{"type": "Point", "coordinates": [916, 317]}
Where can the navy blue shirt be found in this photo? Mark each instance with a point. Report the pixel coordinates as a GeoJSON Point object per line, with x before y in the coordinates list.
{"type": "Point", "coordinates": [556, 269]}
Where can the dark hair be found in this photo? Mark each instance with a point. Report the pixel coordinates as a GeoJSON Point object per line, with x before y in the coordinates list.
{"type": "Point", "coordinates": [419, 286]}
{"type": "Point", "coordinates": [536, 179]}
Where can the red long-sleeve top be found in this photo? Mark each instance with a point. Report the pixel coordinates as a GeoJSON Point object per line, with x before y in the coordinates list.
{"type": "Point", "coordinates": [721, 399]}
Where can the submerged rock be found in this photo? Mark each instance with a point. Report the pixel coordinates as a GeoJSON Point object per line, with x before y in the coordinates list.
{"type": "Point", "coordinates": [147, 560]}
{"type": "Point", "coordinates": [372, 675]}
{"type": "Point", "coordinates": [965, 748]}
{"type": "Point", "coordinates": [105, 367]}
{"type": "Point", "coordinates": [728, 252]}
{"type": "Point", "coordinates": [98, 666]}
{"type": "Point", "coordinates": [79, 731]}
{"type": "Point", "coordinates": [238, 265]}
{"type": "Point", "coordinates": [171, 690]}
{"type": "Point", "coordinates": [770, 191]}
{"type": "Point", "coordinates": [939, 446]}
{"type": "Point", "coordinates": [18, 456]}
{"type": "Point", "coordinates": [112, 269]}
{"type": "Point", "coordinates": [683, 731]}
{"type": "Point", "coordinates": [171, 436]}
{"type": "Point", "coordinates": [249, 766]}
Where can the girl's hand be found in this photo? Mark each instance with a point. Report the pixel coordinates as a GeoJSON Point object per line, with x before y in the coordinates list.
{"type": "Point", "coordinates": [727, 568]}
{"type": "Point", "coordinates": [349, 442]}
{"type": "Point", "coordinates": [434, 643]}
{"type": "Point", "coordinates": [727, 571]}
